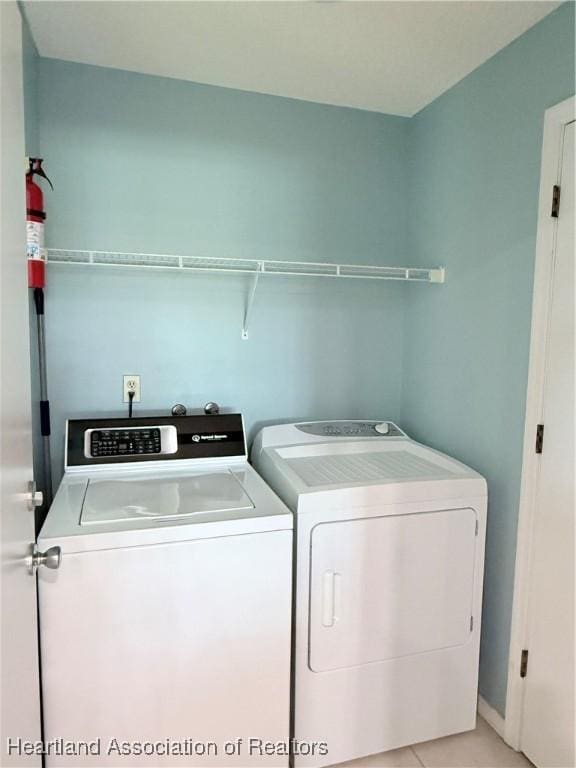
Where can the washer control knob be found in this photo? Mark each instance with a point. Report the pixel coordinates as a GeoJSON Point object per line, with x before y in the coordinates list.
{"type": "Point", "coordinates": [382, 428]}
{"type": "Point", "coordinates": [211, 409]}
{"type": "Point", "coordinates": [179, 410]}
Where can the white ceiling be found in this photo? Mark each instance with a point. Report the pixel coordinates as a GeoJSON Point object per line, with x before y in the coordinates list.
{"type": "Point", "coordinates": [391, 56]}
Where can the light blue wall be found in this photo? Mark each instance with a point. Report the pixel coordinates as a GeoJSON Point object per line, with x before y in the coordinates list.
{"type": "Point", "coordinates": [474, 167]}
{"type": "Point", "coordinates": [161, 165]}
{"type": "Point", "coordinates": [150, 164]}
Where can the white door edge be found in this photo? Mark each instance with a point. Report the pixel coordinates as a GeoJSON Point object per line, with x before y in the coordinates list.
{"type": "Point", "coordinates": [555, 119]}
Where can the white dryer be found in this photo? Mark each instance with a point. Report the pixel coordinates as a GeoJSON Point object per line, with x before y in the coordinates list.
{"type": "Point", "coordinates": [165, 612]}
{"type": "Point", "coordinates": [389, 568]}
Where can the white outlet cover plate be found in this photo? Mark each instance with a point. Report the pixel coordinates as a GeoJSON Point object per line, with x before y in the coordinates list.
{"type": "Point", "coordinates": [127, 379]}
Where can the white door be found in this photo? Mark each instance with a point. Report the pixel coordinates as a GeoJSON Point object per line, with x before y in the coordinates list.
{"type": "Point", "coordinates": [386, 587]}
{"type": "Point", "coordinates": [20, 687]}
{"type": "Point", "coordinates": [547, 733]}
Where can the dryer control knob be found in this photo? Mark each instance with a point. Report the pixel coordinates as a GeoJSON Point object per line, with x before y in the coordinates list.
{"type": "Point", "coordinates": [211, 409]}
{"type": "Point", "coordinates": [383, 428]}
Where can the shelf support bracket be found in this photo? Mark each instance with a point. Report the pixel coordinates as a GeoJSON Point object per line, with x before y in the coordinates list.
{"type": "Point", "coordinates": [250, 300]}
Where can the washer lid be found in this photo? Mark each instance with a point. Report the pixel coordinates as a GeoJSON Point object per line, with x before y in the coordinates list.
{"type": "Point", "coordinates": [127, 498]}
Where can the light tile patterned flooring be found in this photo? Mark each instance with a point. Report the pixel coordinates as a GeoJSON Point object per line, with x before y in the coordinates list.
{"type": "Point", "coordinates": [482, 748]}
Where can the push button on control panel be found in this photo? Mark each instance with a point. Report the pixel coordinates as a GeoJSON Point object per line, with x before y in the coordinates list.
{"type": "Point", "coordinates": [128, 442]}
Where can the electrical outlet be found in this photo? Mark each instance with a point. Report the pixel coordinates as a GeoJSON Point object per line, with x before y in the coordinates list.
{"type": "Point", "coordinates": [131, 384]}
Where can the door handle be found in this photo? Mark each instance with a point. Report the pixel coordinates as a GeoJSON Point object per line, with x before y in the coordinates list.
{"type": "Point", "coordinates": [330, 598]}
{"type": "Point", "coordinates": [50, 559]}
{"type": "Point", "coordinates": [34, 497]}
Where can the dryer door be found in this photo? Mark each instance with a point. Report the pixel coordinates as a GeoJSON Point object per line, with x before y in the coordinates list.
{"type": "Point", "coordinates": [386, 587]}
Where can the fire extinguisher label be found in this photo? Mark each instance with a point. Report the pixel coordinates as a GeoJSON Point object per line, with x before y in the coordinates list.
{"type": "Point", "coordinates": [35, 240]}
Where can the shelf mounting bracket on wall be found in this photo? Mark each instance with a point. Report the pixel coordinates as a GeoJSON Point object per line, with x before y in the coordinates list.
{"type": "Point", "coordinates": [250, 300]}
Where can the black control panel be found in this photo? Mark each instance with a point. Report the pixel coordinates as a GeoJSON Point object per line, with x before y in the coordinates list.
{"type": "Point", "coordinates": [129, 442]}
{"type": "Point", "coordinates": [117, 441]}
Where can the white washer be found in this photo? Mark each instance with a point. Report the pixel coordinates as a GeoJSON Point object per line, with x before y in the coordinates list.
{"type": "Point", "coordinates": [168, 620]}
{"type": "Point", "coordinates": [389, 567]}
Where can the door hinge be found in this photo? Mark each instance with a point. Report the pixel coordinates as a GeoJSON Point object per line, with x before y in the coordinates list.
{"type": "Point", "coordinates": [523, 663]}
{"type": "Point", "coordinates": [555, 201]}
{"type": "Point", "coordinates": [539, 437]}
{"type": "Point", "coordinates": [471, 623]}
{"type": "Point", "coordinates": [476, 529]}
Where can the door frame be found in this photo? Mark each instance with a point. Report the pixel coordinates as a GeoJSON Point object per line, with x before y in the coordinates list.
{"type": "Point", "coordinates": [555, 120]}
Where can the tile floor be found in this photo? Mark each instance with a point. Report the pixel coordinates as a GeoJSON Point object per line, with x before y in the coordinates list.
{"type": "Point", "coordinates": [482, 748]}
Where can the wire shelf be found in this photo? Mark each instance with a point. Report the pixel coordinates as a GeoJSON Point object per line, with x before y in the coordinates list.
{"type": "Point", "coordinates": [251, 266]}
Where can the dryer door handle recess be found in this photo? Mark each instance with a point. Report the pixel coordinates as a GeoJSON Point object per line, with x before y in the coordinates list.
{"type": "Point", "coordinates": [331, 598]}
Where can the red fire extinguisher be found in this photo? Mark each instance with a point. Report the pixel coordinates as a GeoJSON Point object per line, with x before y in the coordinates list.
{"type": "Point", "coordinates": [35, 217]}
